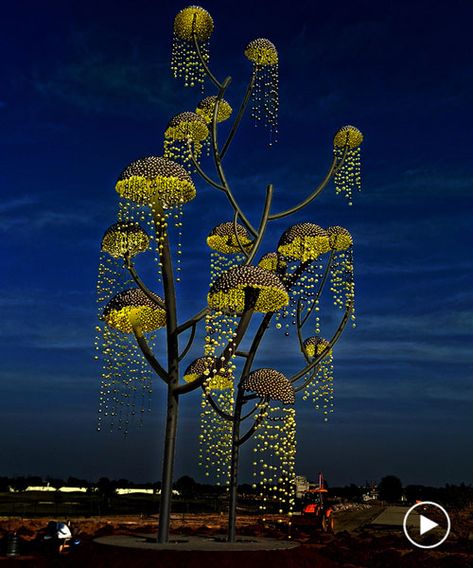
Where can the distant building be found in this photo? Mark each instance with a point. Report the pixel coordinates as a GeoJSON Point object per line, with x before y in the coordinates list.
{"type": "Point", "coordinates": [302, 485]}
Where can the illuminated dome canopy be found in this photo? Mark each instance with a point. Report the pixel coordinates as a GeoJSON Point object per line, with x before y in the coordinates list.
{"type": "Point", "coordinates": [270, 383]}
{"type": "Point", "coordinates": [206, 108]}
{"type": "Point", "coordinates": [339, 238]}
{"type": "Point", "coordinates": [262, 52]}
{"type": "Point", "coordinates": [348, 136]}
{"type": "Point", "coordinates": [228, 291]}
{"type": "Point", "coordinates": [271, 261]}
{"type": "Point", "coordinates": [315, 346]}
{"type": "Point", "coordinates": [193, 19]}
{"type": "Point", "coordinates": [222, 238]}
{"type": "Point", "coordinates": [187, 126]}
{"type": "Point", "coordinates": [156, 177]}
{"type": "Point", "coordinates": [221, 380]}
{"type": "Point", "coordinates": [304, 241]}
{"type": "Point", "coordinates": [125, 238]}
{"type": "Point", "coordinates": [132, 306]}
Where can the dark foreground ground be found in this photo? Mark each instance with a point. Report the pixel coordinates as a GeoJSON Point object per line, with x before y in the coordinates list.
{"type": "Point", "coordinates": [354, 545]}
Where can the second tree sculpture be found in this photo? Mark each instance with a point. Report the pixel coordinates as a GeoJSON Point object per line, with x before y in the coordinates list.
{"type": "Point", "coordinates": [285, 284]}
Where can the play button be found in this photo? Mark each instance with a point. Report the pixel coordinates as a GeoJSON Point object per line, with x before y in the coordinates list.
{"type": "Point", "coordinates": [426, 524]}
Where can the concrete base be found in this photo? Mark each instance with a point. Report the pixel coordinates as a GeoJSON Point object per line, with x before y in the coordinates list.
{"type": "Point", "coordinates": [196, 543]}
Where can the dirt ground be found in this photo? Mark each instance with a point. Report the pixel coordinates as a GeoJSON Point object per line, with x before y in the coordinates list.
{"type": "Point", "coordinates": [354, 544]}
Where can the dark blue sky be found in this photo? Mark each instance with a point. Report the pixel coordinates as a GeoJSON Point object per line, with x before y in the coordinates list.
{"type": "Point", "coordinates": [86, 88]}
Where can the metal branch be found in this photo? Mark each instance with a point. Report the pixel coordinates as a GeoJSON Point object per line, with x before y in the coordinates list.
{"type": "Point", "coordinates": [237, 236]}
{"type": "Point", "coordinates": [321, 287]}
{"type": "Point", "coordinates": [218, 160]}
{"type": "Point", "coordinates": [141, 285]}
{"type": "Point", "coordinates": [193, 320]}
{"type": "Point", "coordinates": [254, 427]}
{"type": "Point", "coordinates": [263, 224]}
{"type": "Point", "coordinates": [209, 73]}
{"type": "Point", "coordinates": [239, 116]}
{"type": "Point", "coordinates": [250, 299]}
{"type": "Point", "coordinates": [216, 407]}
{"type": "Point", "coordinates": [200, 171]}
{"type": "Point", "coordinates": [253, 410]}
{"type": "Point", "coordinates": [308, 381]}
{"type": "Point", "coordinates": [190, 342]}
{"type": "Point", "coordinates": [332, 170]}
{"type": "Point", "coordinates": [149, 355]}
{"type": "Point", "coordinates": [299, 330]}
{"type": "Point", "coordinates": [325, 352]}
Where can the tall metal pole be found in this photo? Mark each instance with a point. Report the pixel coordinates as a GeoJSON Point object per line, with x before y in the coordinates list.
{"type": "Point", "coordinates": [162, 241]}
{"type": "Point", "coordinates": [234, 467]}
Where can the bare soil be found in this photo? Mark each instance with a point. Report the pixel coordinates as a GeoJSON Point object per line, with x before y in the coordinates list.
{"type": "Point", "coordinates": [354, 544]}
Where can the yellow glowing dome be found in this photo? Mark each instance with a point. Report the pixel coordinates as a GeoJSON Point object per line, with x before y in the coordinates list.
{"type": "Point", "coordinates": [315, 346]}
{"type": "Point", "coordinates": [262, 52]}
{"type": "Point", "coordinates": [193, 19]}
{"type": "Point", "coordinates": [270, 383]}
{"type": "Point", "coordinates": [304, 241]}
{"type": "Point", "coordinates": [187, 126]}
{"type": "Point", "coordinates": [228, 291]}
{"type": "Point", "coordinates": [156, 177]}
{"type": "Point", "coordinates": [339, 238]}
{"type": "Point", "coordinates": [272, 261]}
{"type": "Point", "coordinates": [221, 380]}
{"type": "Point", "coordinates": [206, 108]}
{"type": "Point", "coordinates": [222, 238]}
{"type": "Point", "coordinates": [348, 136]}
{"type": "Point", "coordinates": [133, 307]}
{"type": "Point", "coordinates": [125, 238]}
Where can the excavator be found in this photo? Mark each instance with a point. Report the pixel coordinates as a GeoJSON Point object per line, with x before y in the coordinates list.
{"type": "Point", "coordinates": [315, 506]}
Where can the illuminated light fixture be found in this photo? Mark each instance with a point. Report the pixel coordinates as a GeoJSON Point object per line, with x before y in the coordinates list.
{"type": "Point", "coordinates": [191, 25]}
{"type": "Point", "coordinates": [123, 239]}
{"type": "Point", "coordinates": [315, 346]}
{"type": "Point", "coordinates": [346, 147]}
{"type": "Point", "coordinates": [222, 238]}
{"type": "Point", "coordinates": [227, 293]}
{"type": "Point", "coordinates": [272, 261]}
{"type": "Point", "coordinates": [304, 242]}
{"type": "Point", "coordinates": [264, 56]}
{"type": "Point", "coordinates": [206, 109]}
{"type": "Point", "coordinates": [132, 307]}
{"type": "Point", "coordinates": [185, 133]}
{"type": "Point", "coordinates": [339, 238]}
{"type": "Point", "coordinates": [270, 383]}
{"type": "Point", "coordinates": [155, 177]}
{"type": "Point", "coordinates": [221, 380]}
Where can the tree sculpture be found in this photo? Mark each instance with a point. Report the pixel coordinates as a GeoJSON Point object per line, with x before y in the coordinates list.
{"type": "Point", "coordinates": [286, 283]}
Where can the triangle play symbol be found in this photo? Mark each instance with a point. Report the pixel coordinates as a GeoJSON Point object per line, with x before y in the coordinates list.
{"type": "Point", "coordinates": [426, 525]}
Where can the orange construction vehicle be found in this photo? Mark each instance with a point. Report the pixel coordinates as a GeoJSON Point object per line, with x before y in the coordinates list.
{"type": "Point", "coordinates": [316, 507]}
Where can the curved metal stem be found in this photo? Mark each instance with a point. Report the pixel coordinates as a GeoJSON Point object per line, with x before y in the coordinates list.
{"type": "Point", "coordinates": [335, 165]}
{"type": "Point", "coordinates": [321, 288]}
{"type": "Point", "coordinates": [237, 236]}
{"type": "Point", "coordinates": [325, 352]}
{"type": "Point", "coordinates": [209, 73]}
{"type": "Point", "coordinates": [148, 354]}
{"type": "Point", "coordinates": [215, 406]}
{"type": "Point", "coordinates": [193, 320]}
{"type": "Point", "coordinates": [239, 116]}
{"type": "Point", "coordinates": [141, 285]}
{"type": "Point", "coordinates": [231, 348]}
{"type": "Point", "coordinates": [190, 342]}
{"type": "Point", "coordinates": [263, 224]}
{"type": "Point", "coordinates": [253, 410]}
{"type": "Point", "coordinates": [254, 427]}
{"type": "Point", "coordinates": [200, 171]}
{"type": "Point", "coordinates": [218, 160]}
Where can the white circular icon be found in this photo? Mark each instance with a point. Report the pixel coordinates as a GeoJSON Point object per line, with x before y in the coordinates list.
{"type": "Point", "coordinates": [426, 524]}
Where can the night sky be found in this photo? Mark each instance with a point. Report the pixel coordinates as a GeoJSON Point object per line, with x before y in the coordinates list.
{"type": "Point", "coordinates": [86, 88]}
